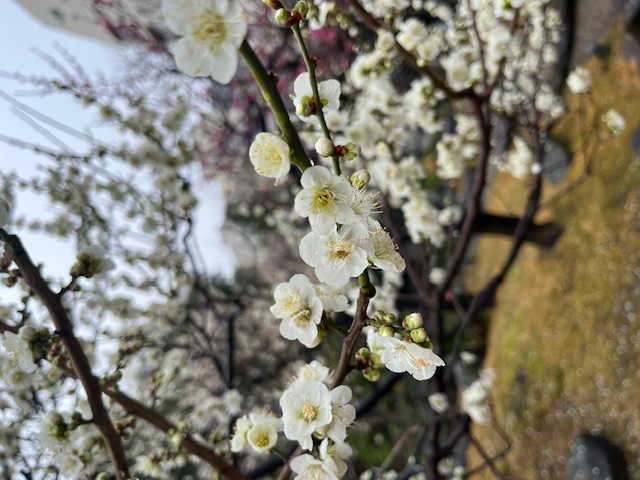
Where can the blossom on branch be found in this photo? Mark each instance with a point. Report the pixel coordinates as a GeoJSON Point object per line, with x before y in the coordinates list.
{"type": "Point", "coordinates": [212, 31]}
{"type": "Point", "coordinates": [299, 308]}
{"type": "Point", "coordinates": [324, 199]}
{"type": "Point", "coordinates": [306, 406]}
{"type": "Point", "coordinates": [270, 155]}
{"type": "Point", "coordinates": [400, 356]}
{"type": "Point", "coordinates": [338, 256]}
{"type": "Point", "coordinates": [304, 102]}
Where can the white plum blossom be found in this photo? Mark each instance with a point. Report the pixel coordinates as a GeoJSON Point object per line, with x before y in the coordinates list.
{"type": "Point", "coordinates": [262, 437]}
{"type": "Point", "coordinates": [17, 351]}
{"type": "Point", "coordinates": [314, 370]}
{"type": "Point", "coordinates": [324, 199]}
{"type": "Point", "coordinates": [437, 275]}
{"type": "Point", "coordinates": [400, 356]}
{"type": "Point", "coordinates": [438, 402]}
{"type": "Point", "coordinates": [211, 31]}
{"type": "Point", "coordinates": [412, 33]}
{"type": "Point", "coordinates": [270, 155]}
{"type": "Point", "coordinates": [332, 300]}
{"type": "Point", "coordinates": [338, 256]}
{"type": "Point", "coordinates": [309, 468]}
{"type": "Point", "coordinates": [384, 254]}
{"type": "Point", "coordinates": [615, 121]}
{"type": "Point", "coordinates": [343, 414]}
{"type": "Point", "coordinates": [98, 254]}
{"type": "Point", "coordinates": [240, 430]}
{"type": "Point", "coordinates": [259, 430]}
{"type": "Point", "coordinates": [579, 81]}
{"type": "Point", "coordinates": [306, 407]}
{"type": "Point", "coordinates": [303, 100]}
{"type": "Point", "coordinates": [474, 397]}
{"type": "Point", "coordinates": [337, 453]}
{"type": "Point", "coordinates": [299, 308]}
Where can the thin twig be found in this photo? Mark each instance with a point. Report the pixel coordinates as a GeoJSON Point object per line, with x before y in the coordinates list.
{"type": "Point", "coordinates": [14, 250]}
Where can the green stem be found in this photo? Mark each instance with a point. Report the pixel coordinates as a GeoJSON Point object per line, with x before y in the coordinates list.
{"type": "Point", "coordinates": [269, 88]}
{"type": "Point", "coordinates": [366, 287]}
{"type": "Point", "coordinates": [311, 68]}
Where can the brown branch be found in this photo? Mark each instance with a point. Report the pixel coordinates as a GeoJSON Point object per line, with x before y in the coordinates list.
{"type": "Point", "coordinates": [480, 298]}
{"type": "Point", "coordinates": [189, 443]}
{"type": "Point", "coordinates": [473, 207]}
{"type": "Point", "coordinates": [348, 344]}
{"type": "Point", "coordinates": [5, 327]}
{"type": "Point", "coordinates": [489, 461]}
{"type": "Point", "coordinates": [14, 250]}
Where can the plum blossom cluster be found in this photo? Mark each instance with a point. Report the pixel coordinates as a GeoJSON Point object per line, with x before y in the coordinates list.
{"type": "Point", "coordinates": [301, 306]}
{"type": "Point", "coordinates": [310, 410]}
{"type": "Point", "coordinates": [399, 349]}
{"type": "Point", "coordinates": [17, 368]}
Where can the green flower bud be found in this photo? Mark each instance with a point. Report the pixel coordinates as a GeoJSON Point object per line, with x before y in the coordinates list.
{"type": "Point", "coordinates": [282, 16]}
{"type": "Point", "coordinates": [386, 331]}
{"type": "Point", "coordinates": [353, 150]}
{"type": "Point", "coordinates": [305, 108]}
{"type": "Point", "coordinates": [413, 320]}
{"type": "Point", "coordinates": [362, 355]}
{"type": "Point", "coordinates": [419, 335]}
{"type": "Point", "coordinates": [302, 8]}
{"type": "Point", "coordinates": [371, 374]}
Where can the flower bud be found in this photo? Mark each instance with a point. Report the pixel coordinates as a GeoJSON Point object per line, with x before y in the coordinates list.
{"type": "Point", "coordinates": [302, 8]}
{"type": "Point", "coordinates": [353, 150]}
{"type": "Point", "coordinates": [282, 16]}
{"type": "Point", "coordinates": [413, 320]}
{"type": "Point", "coordinates": [362, 355]}
{"type": "Point", "coordinates": [324, 147]}
{"type": "Point", "coordinates": [360, 179]}
{"type": "Point", "coordinates": [385, 41]}
{"type": "Point", "coordinates": [419, 335]}
{"type": "Point", "coordinates": [386, 331]}
{"type": "Point", "coordinates": [304, 108]}
{"type": "Point", "coordinates": [371, 374]}
{"type": "Point", "coordinates": [28, 333]}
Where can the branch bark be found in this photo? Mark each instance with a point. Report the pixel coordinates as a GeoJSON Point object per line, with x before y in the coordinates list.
{"type": "Point", "coordinates": [14, 250]}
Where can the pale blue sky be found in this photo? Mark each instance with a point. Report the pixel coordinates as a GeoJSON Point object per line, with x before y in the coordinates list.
{"type": "Point", "coordinates": [20, 33]}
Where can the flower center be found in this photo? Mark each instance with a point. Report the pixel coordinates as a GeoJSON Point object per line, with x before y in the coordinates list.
{"type": "Point", "coordinates": [263, 440]}
{"type": "Point", "coordinates": [210, 28]}
{"type": "Point", "coordinates": [342, 249]}
{"type": "Point", "coordinates": [308, 412]}
{"type": "Point", "coordinates": [323, 198]}
{"type": "Point", "coordinates": [302, 317]}
{"type": "Point", "coordinates": [316, 472]}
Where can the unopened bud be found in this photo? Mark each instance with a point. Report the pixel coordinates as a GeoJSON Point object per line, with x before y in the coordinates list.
{"type": "Point", "coordinates": [28, 333]}
{"type": "Point", "coordinates": [362, 355]}
{"type": "Point", "coordinates": [371, 374]}
{"type": "Point", "coordinates": [302, 8]}
{"type": "Point", "coordinates": [282, 16]}
{"type": "Point", "coordinates": [419, 335]}
{"type": "Point", "coordinates": [386, 331]}
{"type": "Point", "coordinates": [304, 108]}
{"type": "Point", "coordinates": [324, 147]}
{"type": "Point", "coordinates": [353, 150]}
{"type": "Point", "coordinates": [360, 179]}
{"type": "Point", "coordinates": [413, 320]}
